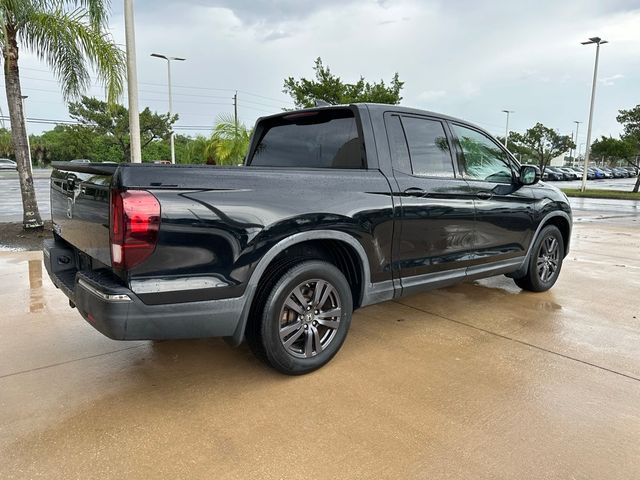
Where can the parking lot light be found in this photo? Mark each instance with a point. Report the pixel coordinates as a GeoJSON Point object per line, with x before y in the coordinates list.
{"type": "Point", "coordinates": [168, 59]}
{"type": "Point", "coordinates": [506, 130]}
{"type": "Point", "coordinates": [598, 41]}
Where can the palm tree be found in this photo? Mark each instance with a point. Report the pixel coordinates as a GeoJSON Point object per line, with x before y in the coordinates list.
{"type": "Point", "coordinates": [70, 36]}
{"type": "Point", "coordinates": [229, 141]}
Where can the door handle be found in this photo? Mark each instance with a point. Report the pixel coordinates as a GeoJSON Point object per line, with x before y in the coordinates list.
{"type": "Point", "coordinates": [415, 192]}
{"type": "Point", "coordinates": [484, 195]}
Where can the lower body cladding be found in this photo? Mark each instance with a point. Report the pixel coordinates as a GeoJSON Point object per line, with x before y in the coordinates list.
{"type": "Point", "coordinates": [118, 313]}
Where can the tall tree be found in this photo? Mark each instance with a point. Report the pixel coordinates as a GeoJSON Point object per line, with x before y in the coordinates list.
{"type": "Point", "coordinates": [630, 120]}
{"type": "Point", "coordinates": [330, 88]}
{"type": "Point", "coordinates": [112, 121]}
{"type": "Point", "coordinates": [612, 149]}
{"type": "Point", "coordinates": [541, 144]}
{"type": "Point", "coordinates": [71, 37]}
{"type": "Point", "coordinates": [229, 141]}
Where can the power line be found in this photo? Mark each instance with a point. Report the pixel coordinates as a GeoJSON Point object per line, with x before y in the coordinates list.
{"type": "Point", "coordinates": [193, 87]}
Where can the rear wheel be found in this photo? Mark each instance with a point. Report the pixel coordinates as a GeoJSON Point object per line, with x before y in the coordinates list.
{"type": "Point", "coordinates": [545, 261]}
{"type": "Point", "coordinates": [304, 320]}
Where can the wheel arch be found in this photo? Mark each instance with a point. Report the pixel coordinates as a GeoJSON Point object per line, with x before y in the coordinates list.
{"type": "Point", "coordinates": [342, 249]}
{"type": "Point", "coordinates": [562, 221]}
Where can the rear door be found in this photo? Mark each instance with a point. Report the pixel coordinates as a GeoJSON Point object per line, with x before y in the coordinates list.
{"type": "Point", "coordinates": [435, 237]}
{"type": "Point", "coordinates": [504, 209]}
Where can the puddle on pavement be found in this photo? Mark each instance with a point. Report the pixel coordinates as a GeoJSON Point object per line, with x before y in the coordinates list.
{"type": "Point", "coordinates": [36, 296]}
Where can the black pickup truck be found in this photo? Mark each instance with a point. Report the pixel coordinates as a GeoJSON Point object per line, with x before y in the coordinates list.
{"type": "Point", "coordinates": [335, 208]}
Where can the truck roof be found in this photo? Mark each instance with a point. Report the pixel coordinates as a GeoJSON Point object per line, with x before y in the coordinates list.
{"type": "Point", "coordinates": [378, 108]}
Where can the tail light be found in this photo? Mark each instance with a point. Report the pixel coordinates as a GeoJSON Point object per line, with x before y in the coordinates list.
{"type": "Point", "coordinates": [135, 220]}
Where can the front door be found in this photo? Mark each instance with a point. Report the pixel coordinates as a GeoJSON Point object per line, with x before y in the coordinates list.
{"type": "Point", "coordinates": [504, 208]}
{"type": "Point", "coordinates": [434, 238]}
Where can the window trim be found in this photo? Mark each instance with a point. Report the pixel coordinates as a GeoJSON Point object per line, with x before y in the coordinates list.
{"type": "Point", "coordinates": [447, 133]}
{"type": "Point", "coordinates": [511, 162]}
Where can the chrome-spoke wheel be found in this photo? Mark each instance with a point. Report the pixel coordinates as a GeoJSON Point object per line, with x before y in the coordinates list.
{"type": "Point", "coordinates": [548, 259]}
{"type": "Point", "coordinates": [310, 318]}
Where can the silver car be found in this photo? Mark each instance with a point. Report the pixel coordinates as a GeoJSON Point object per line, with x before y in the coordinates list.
{"type": "Point", "coordinates": [6, 164]}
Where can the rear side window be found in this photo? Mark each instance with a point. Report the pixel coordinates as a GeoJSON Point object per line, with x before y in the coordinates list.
{"type": "Point", "coordinates": [428, 147]}
{"type": "Point", "coordinates": [322, 139]}
{"type": "Point", "coordinates": [398, 144]}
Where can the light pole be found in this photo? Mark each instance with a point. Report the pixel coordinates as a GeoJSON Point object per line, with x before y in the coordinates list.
{"type": "Point", "coordinates": [577, 128]}
{"type": "Point", "coordinates": [168, 59]}
{"type": "Point", "coordinates": [598, 41]}
{"type": "Point", "coordinates": [132, 82]}
{"type": "Point", "coordinates": [506, 130]}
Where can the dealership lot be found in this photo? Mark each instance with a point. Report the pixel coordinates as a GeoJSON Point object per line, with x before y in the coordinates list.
{"type": "Point", "coordinates": [476, 381]}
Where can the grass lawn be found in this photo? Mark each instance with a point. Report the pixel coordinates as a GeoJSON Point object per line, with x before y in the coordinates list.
{"type": "Point", "coordinates": [616, 194]}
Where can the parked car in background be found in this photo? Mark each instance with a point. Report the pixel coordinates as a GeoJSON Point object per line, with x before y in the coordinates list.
{"type": "Point", "coordinates": [579, 172]}
{"type": "Point", "coordinates": [7, 164]}
{"type": "Point", "coordinates": [559, 173]}
{"type": "Point", "coordinates": [553, 174]}
{"type": "Point", "coordinates": [607, 172]}
{"type": "Point", "coordinates": [633, 171]}
{"type": "Point", "coordinates": [570, 174]}
{"type": "Point", "coordinates": [598, 173]}
{"type": "Point", "coordinates": [619, 172]}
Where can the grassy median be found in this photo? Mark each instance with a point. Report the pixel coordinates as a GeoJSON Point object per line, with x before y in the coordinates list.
{"type": "Point", "coordinates": [614, 194]}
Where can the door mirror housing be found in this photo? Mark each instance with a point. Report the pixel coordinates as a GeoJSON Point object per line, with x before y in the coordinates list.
{"type": "Point", "coordinates": [529, 175]}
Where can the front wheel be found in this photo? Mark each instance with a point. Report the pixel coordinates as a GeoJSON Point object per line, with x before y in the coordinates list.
{"type": "Point", "coordinates": [305, 318]}
{"type": "Point", "coordinates": [545, 261]}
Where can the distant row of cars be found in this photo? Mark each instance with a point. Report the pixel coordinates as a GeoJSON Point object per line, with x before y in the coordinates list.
{"type": "Point", "coordinates": [593, 173]}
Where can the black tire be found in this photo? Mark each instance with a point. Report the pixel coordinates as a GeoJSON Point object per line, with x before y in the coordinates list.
{"type": "Point", "coordinates": [544, 266]}
{"type": "Point", "coordinates": [273, 316]}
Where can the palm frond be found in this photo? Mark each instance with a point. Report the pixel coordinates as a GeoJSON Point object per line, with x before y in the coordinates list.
{"type": "Point", "coordinates": [229, 141]}
{"type": "Point", "coordinates": [70, 45]}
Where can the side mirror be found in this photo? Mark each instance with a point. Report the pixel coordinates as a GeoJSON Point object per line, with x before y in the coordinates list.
{"type": "Point", "coordinates": [529, 175]}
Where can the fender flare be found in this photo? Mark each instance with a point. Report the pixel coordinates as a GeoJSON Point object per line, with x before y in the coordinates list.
{"type": "Point", "coordinates": [282, 245]}
{"type": "Point", "coordinates": [543, 223]}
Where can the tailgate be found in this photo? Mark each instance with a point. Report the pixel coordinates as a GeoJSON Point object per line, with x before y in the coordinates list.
{"type": "Point", "coordinates": [80, 206]}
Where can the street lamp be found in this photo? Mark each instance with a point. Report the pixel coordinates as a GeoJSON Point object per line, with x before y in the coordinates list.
{"type": "Point", "coordinates": [168, 59]}
{"type": "Point", "coordinates": [598, 41]}
{"type": "Point", "coordinates": [577, 127]}
{"type": "Point", "coordinates": [506, 130]}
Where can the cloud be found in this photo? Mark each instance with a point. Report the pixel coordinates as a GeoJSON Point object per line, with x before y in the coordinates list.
{"type": "Point", "coordinates": [430, 95]}
{"type": "Point", "coordinates": [610, 81]}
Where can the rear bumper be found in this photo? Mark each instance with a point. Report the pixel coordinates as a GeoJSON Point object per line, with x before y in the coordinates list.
{"type": "Point", "coordinates": [118, 313]}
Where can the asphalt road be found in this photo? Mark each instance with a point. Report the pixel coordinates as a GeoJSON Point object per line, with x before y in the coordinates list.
{"type": "Point", "coordinates": [11, 205]}
{"type": "Point", "coordinates": [480, 381]}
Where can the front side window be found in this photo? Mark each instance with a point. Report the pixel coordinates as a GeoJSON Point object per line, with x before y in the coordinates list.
{"type": "Point", "coordinates": [322, 139]}
{"type": "Point", "coordinates": [483, 158]}
{"type": "Point", "coordinates": [428, 147]}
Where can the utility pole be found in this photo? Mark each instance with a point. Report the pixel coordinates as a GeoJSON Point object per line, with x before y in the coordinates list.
{"type": "Point", "coordinates": [506, 130]}
{"type": "Point", "coordinates": [577, 128]}
{"type": "Point", "coordinates": [598, 41]}
{"type": "Point", "coordinates": [235, 111]}
{"type": "Point", "coordinates": [132, 83]}
{"type": "Point", "coordinates": [171, 135]}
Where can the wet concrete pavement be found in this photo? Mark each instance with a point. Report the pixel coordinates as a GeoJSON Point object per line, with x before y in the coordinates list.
{"type": "Point", "coordinates": [476, 381]}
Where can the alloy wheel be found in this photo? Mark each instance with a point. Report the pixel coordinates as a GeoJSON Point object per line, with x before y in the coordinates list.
{"type": "Point", "coordinates": [548, 259]}
{"type": "Point", "coordinates": [310, 318]}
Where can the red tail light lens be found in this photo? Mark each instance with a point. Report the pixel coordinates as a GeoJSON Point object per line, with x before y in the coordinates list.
{"type": "Point", "coordinates": [135, 220]}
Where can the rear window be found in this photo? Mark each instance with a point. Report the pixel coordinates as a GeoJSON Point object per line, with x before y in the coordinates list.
{"type": "Point", "coordinates": [322, 139]}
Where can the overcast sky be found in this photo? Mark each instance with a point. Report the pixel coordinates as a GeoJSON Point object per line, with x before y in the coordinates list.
{"type": "Point", "coordinates": [465, 58]}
